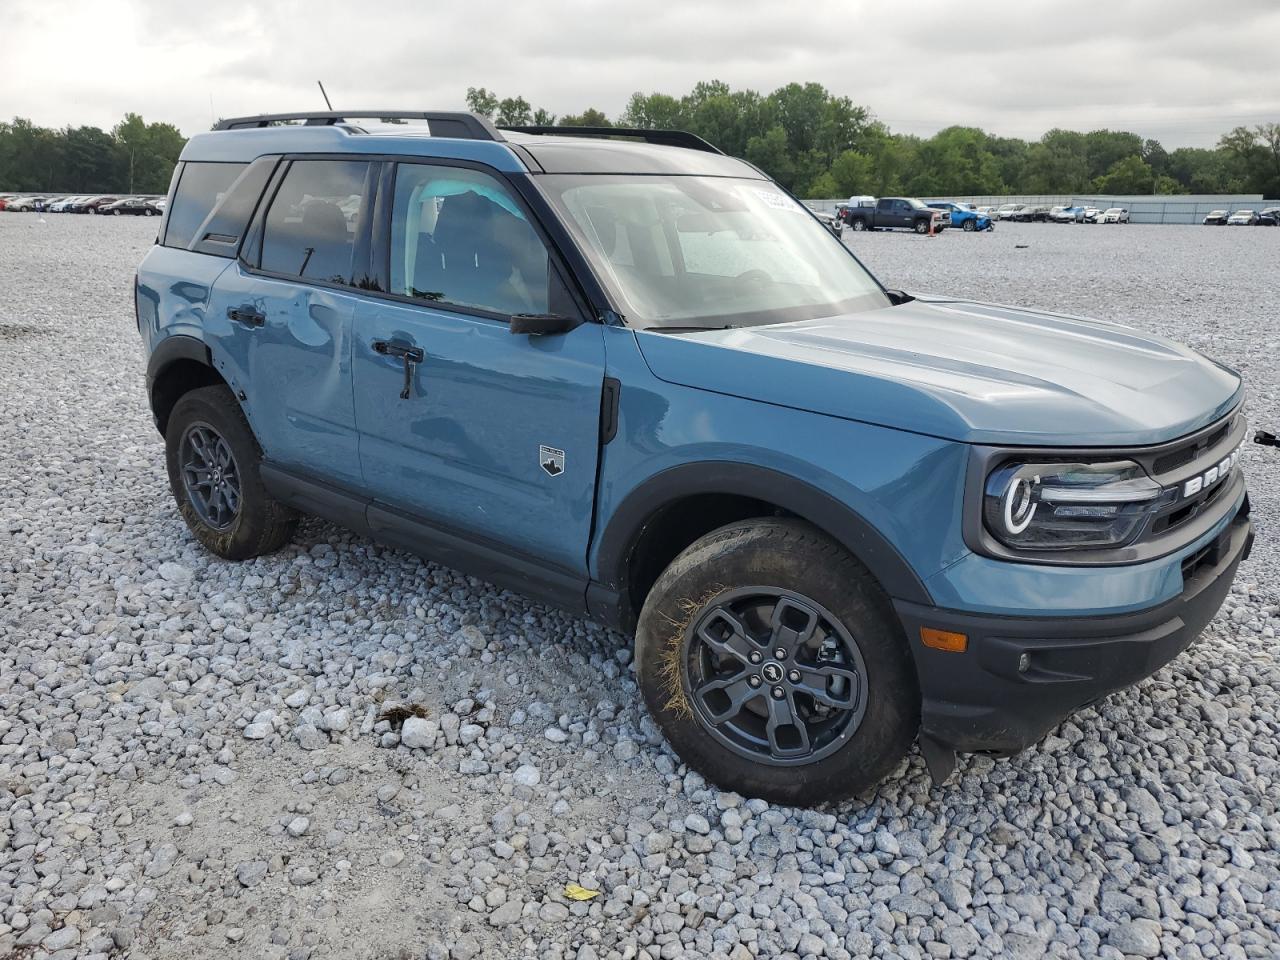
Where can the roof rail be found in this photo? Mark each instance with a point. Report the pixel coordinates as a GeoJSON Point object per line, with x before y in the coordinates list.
{"type": "Point", "coordinates": [460, 125]}
{"type": "Point", "coordinates": [667, 138]}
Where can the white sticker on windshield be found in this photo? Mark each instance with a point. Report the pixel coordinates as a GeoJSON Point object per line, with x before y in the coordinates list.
{"type": "Point", "coordinates": [776, 200]}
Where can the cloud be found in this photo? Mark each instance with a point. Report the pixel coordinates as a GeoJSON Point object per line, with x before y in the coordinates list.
{"type": "Point", "coordinates": [1178, 70]}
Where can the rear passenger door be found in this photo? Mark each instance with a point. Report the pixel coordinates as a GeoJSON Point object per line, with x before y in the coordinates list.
{"type": "Point", "coordinates": [280, 319]}
{"type": "Point", "coordinates": [481, 433]}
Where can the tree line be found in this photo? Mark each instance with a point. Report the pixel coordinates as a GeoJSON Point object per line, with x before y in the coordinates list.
{"type": "Point", "coordinates": [817, 144]}
{"type": "Point", "coordinates": [134, 157]}
{"type": "Point", "coordinates": [813, 142]}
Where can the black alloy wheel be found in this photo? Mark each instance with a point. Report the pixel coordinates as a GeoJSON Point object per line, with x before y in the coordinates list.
{"type": "Point", "coordinates": [774, 677]}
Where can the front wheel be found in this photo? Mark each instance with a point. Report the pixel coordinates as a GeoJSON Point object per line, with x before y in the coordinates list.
{"type": "Point", "coordinates": [773, 663]}
{"type": "Point", "coordinates": [922, 226]}
{"type": "Point", "coordinates": [212, 458]}
{"type": "Point", "coordinates": [858, 225]}
{"type": "Point", "coordinates": [969, 226]}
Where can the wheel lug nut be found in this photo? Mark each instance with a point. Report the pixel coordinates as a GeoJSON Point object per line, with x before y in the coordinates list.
{"type": "Point", "coordinates": [755, 656]}
{"type": "Point", "coordinates": [794, 676]}
{"type": "Point", "coordinates": [779, 654]}
{"type": "Point", "coordinates": [754, 681]}
{"type": "Point", "coordinates": [778, 693]}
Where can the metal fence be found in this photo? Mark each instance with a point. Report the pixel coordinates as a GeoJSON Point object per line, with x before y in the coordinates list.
{"type": "Point", "coordinates": [1142, 209]}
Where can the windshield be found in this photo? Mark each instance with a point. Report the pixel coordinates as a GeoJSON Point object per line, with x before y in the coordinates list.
{"type": "Point", "coordinates": [681, 251]}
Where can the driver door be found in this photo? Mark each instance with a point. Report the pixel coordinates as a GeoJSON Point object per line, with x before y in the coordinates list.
{"type": "Point", "coordinates": [485, 435]}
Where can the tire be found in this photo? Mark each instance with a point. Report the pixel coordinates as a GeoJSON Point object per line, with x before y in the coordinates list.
{"type": "Point", "coordinates": [116, 212]}
{"type": "Point", "coordinates": [969, 226]}
{"type": "Point", "coordinates": [921, 226]}
{"type": "Point", "coordinates": [733, 575]}
{"type": "Point", "coordinates": [258, 524]}
{"type": "Point", "coordinates": [858, 225]}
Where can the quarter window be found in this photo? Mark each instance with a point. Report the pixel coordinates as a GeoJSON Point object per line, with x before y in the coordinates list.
{"type": "Point", "coordinates": [310, 228]}
{"type": "Point", "coordinates": [201, 186]}
{"type": "Point", "coordinates": [458, 236]}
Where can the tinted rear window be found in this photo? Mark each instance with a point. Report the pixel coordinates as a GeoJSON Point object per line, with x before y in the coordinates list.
{"type": "Point", "coordinates": [221, 231]}
{"type": "Point", "coordinates": [200, 187]}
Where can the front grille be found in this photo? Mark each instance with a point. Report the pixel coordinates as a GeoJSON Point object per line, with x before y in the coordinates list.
{"type": "Point", "coordinates": [1189, 451]}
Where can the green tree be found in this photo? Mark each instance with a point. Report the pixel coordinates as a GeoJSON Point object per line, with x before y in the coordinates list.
{"type": "Point", "coordinates": [514, 112]}
{"type": "Point", "coordinates": [1130, 175]}
{"type": "Point", "coordinates": [591, 117]}
{"type": "Point", "coordinates": [481, 101]}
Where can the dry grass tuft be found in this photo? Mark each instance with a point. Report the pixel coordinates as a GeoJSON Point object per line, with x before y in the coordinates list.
{"type": "Point", "coordinates": [673, 652]}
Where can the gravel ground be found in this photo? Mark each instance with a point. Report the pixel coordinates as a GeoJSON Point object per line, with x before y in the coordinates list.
{"type": "Point", "coordinates": [193, 764]}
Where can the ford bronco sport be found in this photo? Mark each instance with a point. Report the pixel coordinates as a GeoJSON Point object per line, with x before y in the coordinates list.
{"type": "Point", "coordinates": [623, 373]}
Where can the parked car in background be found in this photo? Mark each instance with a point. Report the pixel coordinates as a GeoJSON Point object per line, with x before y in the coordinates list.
{"type": "Point", "coordinates": [1217, 218]}
{"type": "Point", "coordinates": [1032, 213]}
{"type": "Point", "coordinates": [130, 206]}
{"type": "Point", "coordinates": [1242, 218]}
{"type": "Point", "coordinates": [64, 205]}
{"type": "Point", "coordinates": [160, 204]}
{"type": "Point", "coordinates": [963, 216]}
{"type": "Point", "coordinates": [1008, 211]}
{"type": "Point", "coordinates": [844, 210]}
{"type": "Point", "coordinates": [1091, 214]}
{"type": "Point", "coordinates": [1067, 215]}
{"type": "Point", "coordinates": [987, 212]}
{"type": "Point", "coordinates": [1268, 217]}
{"type": "Point", "coordinates": [830, 222]}
{"type": "Point", "coordinates": [898, 213]}
{"type": "Point", "coordinates": [24, 204]}
{"type": "Point", "coordinates": [1115, 215]}
{"type": "Point", "coordinates": [96, 204]}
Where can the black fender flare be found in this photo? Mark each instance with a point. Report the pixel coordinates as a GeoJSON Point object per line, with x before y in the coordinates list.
{"type": "Point", "coordinates": [796, 496]}
{"type": "Point", "coordinates": [177, 347]}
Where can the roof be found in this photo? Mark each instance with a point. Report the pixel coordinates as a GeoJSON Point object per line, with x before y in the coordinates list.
{"type": "Point", "coordinates": [510, 151]}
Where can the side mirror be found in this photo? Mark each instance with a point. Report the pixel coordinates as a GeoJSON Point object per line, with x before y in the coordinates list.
{"type": "Point", "coordinates": [538, 324]}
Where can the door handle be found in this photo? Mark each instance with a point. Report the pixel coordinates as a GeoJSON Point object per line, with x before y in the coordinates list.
{"type": "Point", "coordinates": [395, 348]}
{"type": "Point", "coordinates": [249, 316]}
{"type": "Point", "coordinates": [410, 355]}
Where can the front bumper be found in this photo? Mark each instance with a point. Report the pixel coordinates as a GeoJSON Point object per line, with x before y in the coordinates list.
{"type": "Point", "coordinates": [1020, 676]}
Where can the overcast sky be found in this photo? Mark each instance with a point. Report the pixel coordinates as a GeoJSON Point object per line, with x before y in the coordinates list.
{"type": "Point", "coordinates": [1183, 71]}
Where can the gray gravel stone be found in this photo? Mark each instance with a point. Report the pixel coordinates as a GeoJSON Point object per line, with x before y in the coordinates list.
{"type": "Point", "coordinates": [143, 683]}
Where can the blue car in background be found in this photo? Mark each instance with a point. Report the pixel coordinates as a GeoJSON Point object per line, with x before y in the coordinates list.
{"type": "Point", "coordinates": [964, 216]}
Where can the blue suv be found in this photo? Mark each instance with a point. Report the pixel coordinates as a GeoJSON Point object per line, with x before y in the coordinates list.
{"type": "Point", "coordinates": [621, 372]}
{"type": "Point", "coordinates": [964, 216]}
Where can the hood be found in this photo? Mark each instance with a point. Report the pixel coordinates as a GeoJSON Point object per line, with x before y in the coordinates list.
{"type": "Point", "coordinates": [973, 372]}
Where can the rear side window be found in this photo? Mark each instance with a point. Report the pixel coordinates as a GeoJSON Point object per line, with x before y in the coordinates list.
{"type": "Point", "coordinates": [221, 231]}
{"type": "Point", "coordinates": [310, 228]}
{"type": "Point", "coordinates": [200, 187]}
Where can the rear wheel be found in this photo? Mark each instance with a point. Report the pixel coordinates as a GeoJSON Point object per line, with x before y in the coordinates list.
{"type": "Point", "coordinates": [773, 663]}
{"type": "Point", "coordinates": [213, 459]}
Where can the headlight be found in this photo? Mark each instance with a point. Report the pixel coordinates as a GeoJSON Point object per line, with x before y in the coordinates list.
{"type": "Point", "coordinates": [1061, 506]}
